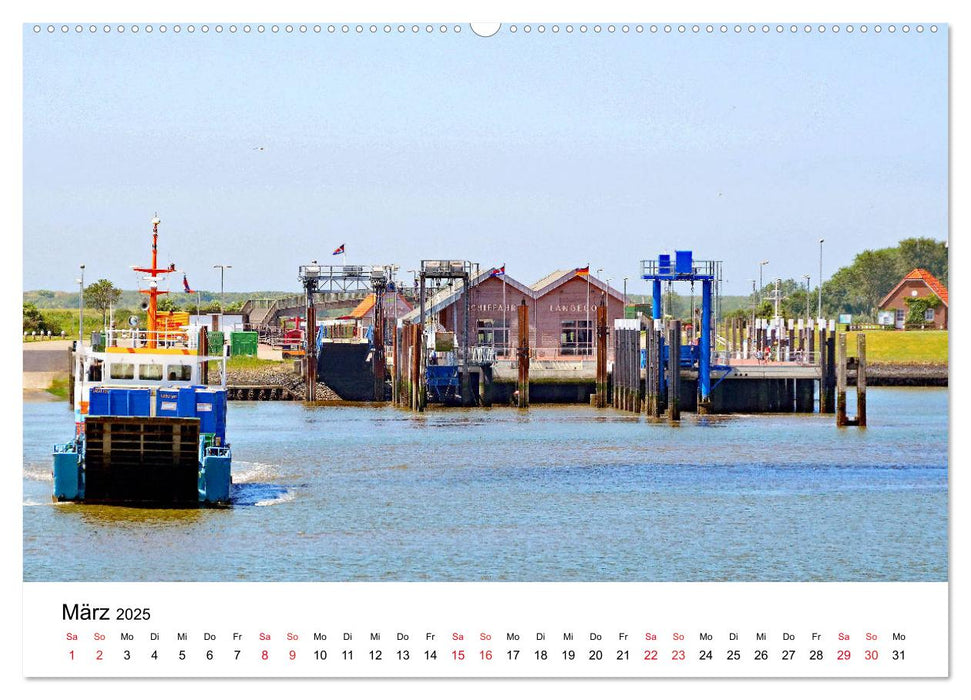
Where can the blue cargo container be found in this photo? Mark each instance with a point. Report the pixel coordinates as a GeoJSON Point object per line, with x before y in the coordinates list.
{"type": "Point", "coordinates": [167, 403]}
{"type": "Point", "coordinates": [211, 411]}
{"type": "Point", "coordinates": [98, 402]}
{"type": "Point", "coordinates": [129, 402]}
{"type": "Point", "coordinates": [120, 402]}
{"type": "Point", "coordinates": [179, 403]}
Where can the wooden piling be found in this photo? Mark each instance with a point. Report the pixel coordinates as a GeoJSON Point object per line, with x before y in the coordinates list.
{"type": "Point", "coordinates": [650, 399]}
{"type": "Point", "coordinates": [674, 371]}
{"type": "Point", "coordinates": [825, 399]}
{"type": "Point", "coordinates": [395, 367]}
{"type": "Point", "coordinates": [831, 372]}
{"type": "Point", "coordinates": [203, 351]}
{"type": "Point", "coordinates": [70, 376]}
{"type": "Point", "coordinates": [861, 379]}
{"type": "Point", "coordinates": [523, 355]}
{"type": "Point", "coordinates": [841, 419]}
{"type": "Point", "coordinates": [602, 354]}
{"type": "Point", "coordinates": [310, 336]}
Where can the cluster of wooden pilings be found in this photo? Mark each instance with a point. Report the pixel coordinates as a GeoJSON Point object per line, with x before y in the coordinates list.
{"type": "Point", "coordinates": [660, 394]}
{"type": "Point", "coordinates": [407, 385]}
{"type": "Point", "coordinates": [843, 364]}
{"type": "Point", "coordinates": [627, 393]}
{"type": "Point", "coordinates": [662, 381]}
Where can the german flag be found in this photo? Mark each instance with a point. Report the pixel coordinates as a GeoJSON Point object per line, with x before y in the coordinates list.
{"type": "Point", "coordinates": [583, 271]}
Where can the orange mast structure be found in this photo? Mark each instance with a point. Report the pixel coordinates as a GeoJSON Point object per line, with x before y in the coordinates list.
{"type": "Point", "coordinates": [153, 292]}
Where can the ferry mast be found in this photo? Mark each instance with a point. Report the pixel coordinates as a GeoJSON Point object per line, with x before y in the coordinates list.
{"type": "Point", "coordinates": [153, 291]}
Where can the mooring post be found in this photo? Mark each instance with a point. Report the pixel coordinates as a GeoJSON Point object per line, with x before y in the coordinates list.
{"type": "Point", "coordinates": [70, 375]}
{"type": "Point", "coordinates": [648, 370]}
{"type": "Point", "coordinates": [602, 353]}
{"type": "Point", "coordinates": [674, 370]}
{"type": "Point", "coordinates": [523, 355]}
{"type": "Point", "coordinates": [831, 371]}
{"type": "Point", "coordinates": [395, 366]}
{"type": "Point", "coordinates": [861, 379]}
{"type": "Point", "coordinates": [203, 351]}
{"type": "Point", "coordinates": [310, 336]}
{"type": "Point", "coordinates": [823, 367]}
{"type": "Point", "coordinates": [841, 381]}
{"type": "Point", "coordinates": [378, 365]}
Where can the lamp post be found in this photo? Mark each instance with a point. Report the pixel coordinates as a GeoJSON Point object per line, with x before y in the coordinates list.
{"type": "Point", "coordinates": [819, 310]}
{"type": "Point", "coordinates": [806, 277]}
{"type": "Point", "coordinates": [222, 282]}
{"type": "Point", "coordinates": [625, 297]}
{"type": "Point", "coordinates": [761, 286]}
{"type": "Point", "coordinates": [754, 304]}
{"type": "Point", "coordinates": [81, 308]}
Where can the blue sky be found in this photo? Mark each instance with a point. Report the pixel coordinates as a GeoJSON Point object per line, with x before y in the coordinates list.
{"type": "Point", "coordinates": [535, 150]}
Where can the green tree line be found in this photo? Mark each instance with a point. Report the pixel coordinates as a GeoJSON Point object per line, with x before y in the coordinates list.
{"type": "Point", "coordinates": [857, 288]}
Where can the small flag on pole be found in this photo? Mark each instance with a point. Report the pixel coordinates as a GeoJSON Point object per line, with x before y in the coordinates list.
{"type": "Point", "coordinates": [583, 271]}
{"type": "Point", "coordinates": [498, 271]}
{"type": "Point", "coordinates": [185, 284]}
{"type": "Point", "coordinates": [339, 251]}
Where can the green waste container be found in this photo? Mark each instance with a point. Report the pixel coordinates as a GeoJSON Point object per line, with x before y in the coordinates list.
{"type": "Point", "coordinates": [243, 343]}
{"type": "Point", "coordinates": [216, 342]}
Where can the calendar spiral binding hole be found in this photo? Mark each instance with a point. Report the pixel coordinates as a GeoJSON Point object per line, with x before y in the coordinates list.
{"type": "Point", "coordinates": [594, 29]}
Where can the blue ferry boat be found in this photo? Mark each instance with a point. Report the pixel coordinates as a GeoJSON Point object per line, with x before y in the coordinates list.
{"type": "Point", "coordinates": [149, 430]}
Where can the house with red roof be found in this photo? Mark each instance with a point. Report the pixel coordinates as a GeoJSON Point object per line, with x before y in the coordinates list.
{"type": "Point", "coordinates": [917, 284]}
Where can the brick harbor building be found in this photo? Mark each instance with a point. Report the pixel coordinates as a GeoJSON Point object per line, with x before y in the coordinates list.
{"type": "Point", "coordinates": [562, 313]}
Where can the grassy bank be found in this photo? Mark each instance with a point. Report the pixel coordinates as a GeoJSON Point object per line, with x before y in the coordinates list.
{"type": "Point", "coordinates": [242, 362]}
{"type": "Point", "coordinates": [904, 347]}
{"type": "Point", "coordinates": [59, 387]}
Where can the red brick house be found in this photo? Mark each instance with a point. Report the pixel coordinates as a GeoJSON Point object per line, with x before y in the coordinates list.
{"type": "Point", "coordinates": [918, 283]}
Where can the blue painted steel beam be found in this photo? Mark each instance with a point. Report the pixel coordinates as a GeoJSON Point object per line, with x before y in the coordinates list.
{"type": "Point", "coordinates": [656, 299]}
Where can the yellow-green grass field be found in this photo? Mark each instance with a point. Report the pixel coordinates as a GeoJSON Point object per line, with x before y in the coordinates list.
{"type": "Point", "coordinates": [248, 362]}
{"type": "Point", "coordinates": [59, 387]}
{"type": "Point", "coordinates": [906, 347]}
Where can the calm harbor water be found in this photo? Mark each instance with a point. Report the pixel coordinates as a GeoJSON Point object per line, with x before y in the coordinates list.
{"type": "Point", "coordinates": [552, 494]}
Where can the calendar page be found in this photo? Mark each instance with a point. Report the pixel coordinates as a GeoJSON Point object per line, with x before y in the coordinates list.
{"type": "Point", "coordinates": [391, 346]}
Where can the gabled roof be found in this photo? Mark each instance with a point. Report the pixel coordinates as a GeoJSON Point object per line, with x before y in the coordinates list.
{"type": "Point", "coordinates": [367, 304]}
{"type": "Point", "coordinates": [550, 279]}
{"type": "Point", "coordinates": [361, 310]}
{"type": "Point", "coordinates": [555, 279]}
{"type": "Point", "coordinates": [453, 293]}
{"type": "Point", "coordinates": [924, 276]}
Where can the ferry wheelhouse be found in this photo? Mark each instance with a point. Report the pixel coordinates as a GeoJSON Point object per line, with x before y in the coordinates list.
{"type": "Point", "coordinates": [149, 429]}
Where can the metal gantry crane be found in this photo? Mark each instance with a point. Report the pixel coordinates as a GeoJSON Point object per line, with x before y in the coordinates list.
{"type": "Point", "coordinates": [685, 269]}
{"type": "Point", "coordinates": [345, 278]}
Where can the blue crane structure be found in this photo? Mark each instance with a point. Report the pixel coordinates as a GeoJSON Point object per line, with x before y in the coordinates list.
{"type": "Point", "coordinates": [685, 269]}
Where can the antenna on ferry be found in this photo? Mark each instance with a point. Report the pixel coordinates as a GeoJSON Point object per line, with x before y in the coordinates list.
{"type": "Point", "coordinates": [153, 291]}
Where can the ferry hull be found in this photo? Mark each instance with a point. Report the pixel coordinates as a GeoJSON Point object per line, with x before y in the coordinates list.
{"type": "Point", "coordinates": [143, 461]}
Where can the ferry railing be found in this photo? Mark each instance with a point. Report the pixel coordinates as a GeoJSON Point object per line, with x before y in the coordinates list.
{"type": "Point", "coordinates": [65, 447]}
{"type": "Point", "coordinates": [134, 338]}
